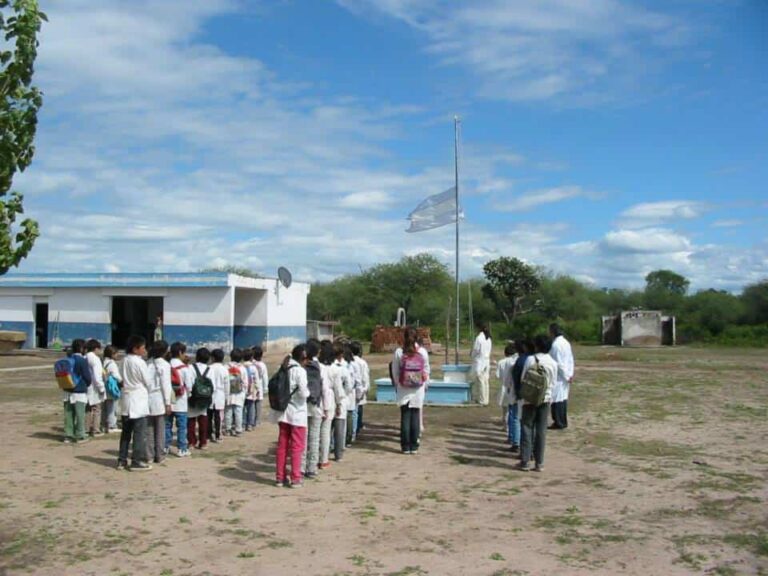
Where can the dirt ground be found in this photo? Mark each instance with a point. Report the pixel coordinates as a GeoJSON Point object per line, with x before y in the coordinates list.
{"type": "Point", "coordinates": [663, 471]}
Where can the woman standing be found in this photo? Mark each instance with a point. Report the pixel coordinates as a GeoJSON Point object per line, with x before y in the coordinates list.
{"type": "Point", "coordinates": [481, 364]}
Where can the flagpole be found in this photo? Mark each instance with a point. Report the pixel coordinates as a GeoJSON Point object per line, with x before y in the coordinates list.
{"type": "Point", "coordinates": [456, 173]}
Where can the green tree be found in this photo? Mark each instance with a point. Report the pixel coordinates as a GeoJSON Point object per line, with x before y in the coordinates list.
{"type": "Point", "coordinates": [20, 22]}
{"type": "Point", "coordinates": [755, 300]}
{"type": "Point", "coordinates": [709, 312]}
{"type": "Point", "coordinates": [510, 282]}
{"type": "Point", "coordinates": [665, 290]}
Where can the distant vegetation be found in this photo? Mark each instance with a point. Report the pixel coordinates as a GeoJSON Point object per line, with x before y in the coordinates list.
{"type": "Point", "coordinates": [518, 298]}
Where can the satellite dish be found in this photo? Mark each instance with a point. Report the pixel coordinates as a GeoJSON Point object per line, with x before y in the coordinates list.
{"type": "Point", "coordinates": [284, 275]}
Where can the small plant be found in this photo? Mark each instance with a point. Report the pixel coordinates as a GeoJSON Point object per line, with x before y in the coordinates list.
{"type": "Point", "coordinates": [497, 556]}
{"type": "Point", "coordinates": [246, 555]}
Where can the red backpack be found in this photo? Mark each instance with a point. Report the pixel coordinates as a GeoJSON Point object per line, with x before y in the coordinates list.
{"type": "Point", "coordinates": [177, 381]}
{"type": "Point", "coordinates": [412, 374]}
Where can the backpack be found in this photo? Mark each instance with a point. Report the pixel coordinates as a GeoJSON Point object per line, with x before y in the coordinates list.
{"type": "Point", "coordinates": [64, 370]}
{"type": "Point", "coordinates": [279, 389]}
{"type": "Point", "coordinates": [412, 370]}
{"type": "Point", "coordinates": [534, 384]}
{"type": "Point", "coordinates": [177, 382]}
{"type": "Point", "coordinates": [314, 383]}
{"type": "Point", "coordinates": [112, 386]}
{"type": "Point", "coordinates": [202, 389]}
{"type": "Point", "coordinates": [235, 380]}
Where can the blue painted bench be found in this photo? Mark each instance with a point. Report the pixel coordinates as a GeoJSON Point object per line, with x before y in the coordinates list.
{"type": "Point", "coordinates": [438, 392]}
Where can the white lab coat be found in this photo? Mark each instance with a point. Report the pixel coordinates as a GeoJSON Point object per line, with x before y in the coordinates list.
{"type": "Point", "coordinates": [134, 403]}
{"type": "Point", "coordinates": [296, 412]}
{"type": "Point", "coordinates": [220, 379]}
{"type": "Point", "coordinates": [97, 390]}
{"type": "Point", "coordinates": [160, 390]}
{"type": "Point", "coordinates": [237, 399]}
{"type": "Point", "coordinates": [365, 380]}
{"type": "Point", "coordinates": [181, 403]}
{"type": "Point", "coordinates": [504, 374]}
{"type": "Point", "coordinates": [562, 354]}
{"type": "Point", "coordinates": [338, 377]}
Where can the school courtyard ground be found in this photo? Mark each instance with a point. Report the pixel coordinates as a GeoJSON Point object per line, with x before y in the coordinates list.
{"type": "Point", "coordinates": [663, 471]}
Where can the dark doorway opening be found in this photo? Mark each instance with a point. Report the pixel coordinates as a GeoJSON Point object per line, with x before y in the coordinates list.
{"type": "Point", "coordinates": [134, 315]}
{"type": "Point", "coordinates": [41, 325]}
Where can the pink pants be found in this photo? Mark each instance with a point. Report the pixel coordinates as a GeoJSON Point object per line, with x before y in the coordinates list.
{"type": "Point", "coordinates": [292, 440]}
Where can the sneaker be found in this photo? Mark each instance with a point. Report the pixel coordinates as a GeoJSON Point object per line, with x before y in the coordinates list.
{"type": "Point", "coordinates": [141, 466]}
{"type": "Point", "coordinates": [159, 460]}
{"type": "Point", "coordinates": [183, 453]}
{"type": "Point", "coordinates": [83, 440]}
{"type": "Point", "coordinates": [514, 448]}
{"type": "Point", "coordinates": [122, 465]}
{"type": "Point", "coordinates": [297, 485]}
{"type": "Point", "coordinates": [310, 475]}
{"type": "Point", "coordinates": [67, 440]}
{"type": "Point", "coordinates": [215, 440]}
{"type": "Point", "coordinates": [524, 467]}
{"type": "Point", "coordinates": [279, 483]}
{"type": "Point", "coordinates": [405, 451]}
{"type": "Point", "coordinates": [538, 468]}
{"type": "Point", "coordinates": [324, 465]}
{"type": "Point", "coordinates": [415, 451]}
{"type": "Point", "coordinates": [166, 450]}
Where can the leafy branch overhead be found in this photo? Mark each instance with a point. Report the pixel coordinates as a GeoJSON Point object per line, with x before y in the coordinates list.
{"type": "Point", "coordinates": [20, 22]}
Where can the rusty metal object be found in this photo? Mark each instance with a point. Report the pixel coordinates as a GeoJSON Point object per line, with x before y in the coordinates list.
{"type": "Point", "coordinates": [389, 338]}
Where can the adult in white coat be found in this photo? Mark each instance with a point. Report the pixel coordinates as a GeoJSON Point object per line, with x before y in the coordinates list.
{"type": "Point", "coordinates": [561, 353]}
{"type": "Point", "coordinates": [481, 365]}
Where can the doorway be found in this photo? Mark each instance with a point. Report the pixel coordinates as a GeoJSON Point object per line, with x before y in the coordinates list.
{"type": "Point", "coordinates": [135, 315]}
{"type": "Point", "coordinates": [41, 325]}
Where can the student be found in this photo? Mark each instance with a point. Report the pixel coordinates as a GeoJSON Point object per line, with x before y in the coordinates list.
{"type": "Point", "coordinates": [562, 354]}
{"type": "Point", "coordinates": [316, 383]}
{"type": "Point", "coordinates": [292, 423]}
{"type": "Point", "coordinates": [481, 364]}
{"type": "Point", "coordinates": [97, 392]}
{"type": "Point", "coordinates": [220, 378]}
{"type": "Point", "coordinates": [260, 389]}
{"type": "Point", "coordinates": [111, 370]}
{"type": "Point", "coordinates": [409, 372]}
{"type": "Point", "coordinates": [534, 419]}
{"type": "Point", "coordinates": [507, 397]}
{"type": "Point", "coordinates": [330, 394]}
{"type": "Point", "coordinates": [197, 410]}
{"type": "Point", "coordinates": [365, 383]}
{"type": "Point", "coordinates": [250, 392]}
{"type": "Point", "coordinates": [523, 349]}
{"type": "Point", "coordinates": [160, 400]}
{"type": "Point", "coordinates": [352, 383]}
{"type": "Point", "coordinates": [182, 381]}
{"type": "Point", "coordinates": [339, 379]}
{"type": "Point", "coordinates": [238, 382]}
{"type": "Point", "coordinates": [76, 400]}
{"type": "Point", "coordinates": [134, 404]}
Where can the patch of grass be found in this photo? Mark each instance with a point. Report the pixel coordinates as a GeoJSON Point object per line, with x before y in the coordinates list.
{"type": "Point", "coordinates": [277, 544]}
{"type": "Point", "coordinates": [431, 495]}
{"type": "Point", "coordinates": [52, 503]}
{"type": "Point", "coordinates": [459, 459]}
{"type": "Point", "coordinates": [409, 571]}
{"type": "Point", "coordinates": [724, 570]}
{"type": "Point", "coordinates": [569, 519]}
{"type": "Point", "coordinates": [497, 556]}
{"type": "Point", "coordinates": [757, 543]}
{"type": "Point", "coordinates": [183, 520]}
{"type": "Point", "coordinates": [246, 555]}
{"type": "Point", "coordinates": [722, 508]}
{"type": "Point", "coordinates": [166, 572]}
{"type": "Point", "coordinates": [357, 560]}
{"type": "Point", "coordinates": [368, 511]}
{"type": "Point", "coordinates": [637, 448]}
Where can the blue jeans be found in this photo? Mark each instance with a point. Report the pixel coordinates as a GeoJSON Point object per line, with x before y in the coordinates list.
{"type": "Point", "coordinates": [181, 430]}
{"type": "Point", "coordinates": [249, 414]}
{"type": "Point", "coordinates": [513, 425]}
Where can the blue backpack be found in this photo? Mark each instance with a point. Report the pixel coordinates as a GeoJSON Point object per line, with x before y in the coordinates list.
{"type": "Point", "coordinates": [64, 370]}
{"type": "Point", "coordinates": [113, 387]}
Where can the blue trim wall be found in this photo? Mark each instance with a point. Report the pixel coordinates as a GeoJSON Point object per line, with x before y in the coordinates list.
{"type": "Point", "coordinates": [246, 336]}
{"type": "Point", "coordinates": [199, 336]}
{"type": "Point", "coordinates": [68, 331]}
{"type": "Point", "coordinates": [27, 327]}
{"type": "Point", "coordinates": [116, 280]}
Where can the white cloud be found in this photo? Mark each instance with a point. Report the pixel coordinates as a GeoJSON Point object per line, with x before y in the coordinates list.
{"type": "Point", "coordinates": [648, 240]}
{"type": "Point", "coordinates": [727, 223]}
{"type": "Point", "coordinates": [585, 52]}
{"type": "Point", "coordinates": [531, 199]}
{"type": "Point", "coordinates": [664, 212]}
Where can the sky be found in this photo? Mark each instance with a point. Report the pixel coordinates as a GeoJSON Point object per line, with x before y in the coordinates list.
{"type": "Point", "coordinates": [601, 139]}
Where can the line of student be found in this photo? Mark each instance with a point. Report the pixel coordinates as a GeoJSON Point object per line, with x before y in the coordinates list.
{"type": "Point", "coordinates": [525, 422]}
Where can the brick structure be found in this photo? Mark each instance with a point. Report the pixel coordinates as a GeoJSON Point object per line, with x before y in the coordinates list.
{"type": "Point", "coordinates": [389, 338]}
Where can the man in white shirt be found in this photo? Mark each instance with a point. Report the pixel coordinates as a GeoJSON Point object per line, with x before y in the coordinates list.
{"type": "Point", "coordinates": [562, 354]}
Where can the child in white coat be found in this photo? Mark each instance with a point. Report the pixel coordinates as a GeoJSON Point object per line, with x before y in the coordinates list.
{"type": "Point", "coordinates": [160, 400]}
{"type": "Point", "coordinates": [219, 376]}
{"type": "Point", "coordinates": [238, 385]}
{"type": "Point", "coordinates": [97, 392]}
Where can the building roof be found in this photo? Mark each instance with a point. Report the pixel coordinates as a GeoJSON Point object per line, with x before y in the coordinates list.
{"type": "Point", "coordinates": [136, 280]}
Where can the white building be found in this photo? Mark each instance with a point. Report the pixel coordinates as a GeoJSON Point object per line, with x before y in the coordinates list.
{"type": "Point", "coordinates": [213, 309]}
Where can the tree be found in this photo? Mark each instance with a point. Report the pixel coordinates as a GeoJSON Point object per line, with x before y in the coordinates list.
{"type": "Point", "coordinates": [510, 282]}
{"type": "Point", "coordinates": [755, 299]}
{"type": "Point", "coordinates": [666, 281]}
{"type": "Point", "coordinates": [19, 104]}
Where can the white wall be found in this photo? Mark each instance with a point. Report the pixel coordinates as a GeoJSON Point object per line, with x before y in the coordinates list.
{"type": "Point", "coordinates": [250, 307]}
{"type": "Point", "coordinates": [287, 306]}
{"type": "Point", "coordinates": [199, 306]}
{"type": "Point", "coordinates": [80, 305]}
{"type": "Point", "coordinates": [17, 309]}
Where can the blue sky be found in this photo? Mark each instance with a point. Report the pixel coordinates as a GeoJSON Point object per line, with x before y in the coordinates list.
{"type": "Point", "coordinates": [600, 138]}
